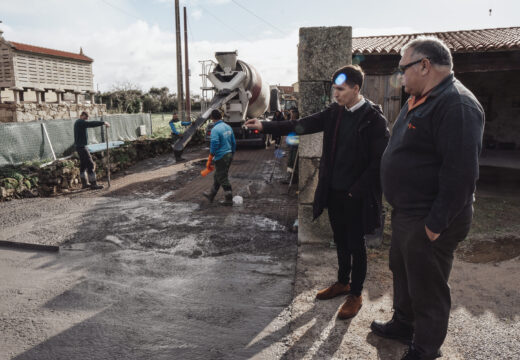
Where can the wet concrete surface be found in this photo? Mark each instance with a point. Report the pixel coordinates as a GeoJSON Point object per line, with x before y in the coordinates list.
{"type": "Point", "coordinates": [149, 270]}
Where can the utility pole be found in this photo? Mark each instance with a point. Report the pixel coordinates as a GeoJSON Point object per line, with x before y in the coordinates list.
{"type": "Point", "coordinates": [180, 102]}
{"type": "Point", "coordinates": [187, 67]}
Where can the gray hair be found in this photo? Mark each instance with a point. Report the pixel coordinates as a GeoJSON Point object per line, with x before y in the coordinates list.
{"type": "Point", "coordinates": [432, 48]}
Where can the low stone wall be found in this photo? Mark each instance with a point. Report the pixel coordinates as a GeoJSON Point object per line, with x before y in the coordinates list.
{"type": "Point", "coordinates": [25, 112]}
{"type": "Point", "coordinates": [62, 176]}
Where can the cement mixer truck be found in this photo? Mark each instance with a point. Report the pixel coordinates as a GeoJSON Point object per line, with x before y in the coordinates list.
{"type": "Point", "coordinates": [240, 92]}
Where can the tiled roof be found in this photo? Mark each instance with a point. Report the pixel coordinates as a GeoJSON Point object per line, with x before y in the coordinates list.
{"type": "Point", "coordinates": [458, 41]}
{"type": "Point", "coordinates": [286, 89]}
{"type": "Point", "coordinates": [52, 52]}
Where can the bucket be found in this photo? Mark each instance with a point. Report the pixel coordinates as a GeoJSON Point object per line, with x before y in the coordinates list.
{"type": "Point", "coordinates": [142, 130]}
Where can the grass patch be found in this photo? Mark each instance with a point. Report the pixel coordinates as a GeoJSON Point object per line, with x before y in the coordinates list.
{"type": "Point", "coordinates": [161, 126]}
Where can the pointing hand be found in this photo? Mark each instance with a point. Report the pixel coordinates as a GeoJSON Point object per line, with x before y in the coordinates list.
{"type": "Point", "coordinates": [254, 124]}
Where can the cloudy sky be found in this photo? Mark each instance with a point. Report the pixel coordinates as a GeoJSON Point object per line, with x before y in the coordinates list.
{"type": "Point", "coordinates": [133, 41]}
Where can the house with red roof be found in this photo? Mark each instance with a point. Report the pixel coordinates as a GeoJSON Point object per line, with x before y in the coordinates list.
{"type": "Point", "coordinates": [38, 83]}
{"type": "Point", "coordinates": [26, 67]}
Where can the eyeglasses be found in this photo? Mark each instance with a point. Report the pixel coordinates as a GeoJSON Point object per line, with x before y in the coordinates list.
{"type": "Point", "coordinates": [402, 68]}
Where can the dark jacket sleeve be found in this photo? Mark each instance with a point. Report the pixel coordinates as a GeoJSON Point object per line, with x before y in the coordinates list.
{"type": "Point", "coordinates": [92, 123]}
{"type": "Point", "coordinates": [458, 142]}
{"type": "Point", "coordinates": [308, 125]}
{"type": "Point", "coordinates": [378, 140]}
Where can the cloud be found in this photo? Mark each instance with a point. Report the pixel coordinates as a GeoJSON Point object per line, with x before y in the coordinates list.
{"type": "Point", "coordinates": [144, 55]}
{"type": "Point", "coordinates": [219, 2]}
{"type": "Point", "coordinates": [196, 14]}
{"type": "Point", "coordinates": [356, 32]}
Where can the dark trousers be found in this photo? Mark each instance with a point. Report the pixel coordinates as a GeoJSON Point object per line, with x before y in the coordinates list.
{"type": "Point", "coordinates": [86, 164]}
{"type": "Point", "coordinates": [421, 269]}
{"type": "Point", "coordinates": [291, 161]}
{"type": "Point", "coordinates": [345, 215]}
{"type": "Point", "coordinates": [221, 173]}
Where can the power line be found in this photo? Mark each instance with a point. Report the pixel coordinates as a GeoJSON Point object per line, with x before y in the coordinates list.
{"type": "Point", "coordinates": [223, 23]}
{"type": "Point", "coordinates": [121, 10]}
{"type": "Point", "coordinates": [262, 19]}
{"type": "Point", "coordinates": [190, 33]}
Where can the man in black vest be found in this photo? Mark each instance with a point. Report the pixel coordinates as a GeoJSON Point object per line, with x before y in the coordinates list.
{"type": "Point", "coordinates": [355, 134]}
{"type": "Point", "coordinates": [428, 171]}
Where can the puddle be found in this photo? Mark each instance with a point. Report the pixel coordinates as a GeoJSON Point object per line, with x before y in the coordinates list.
{"type": "Point", "coordinates": [491, 251]}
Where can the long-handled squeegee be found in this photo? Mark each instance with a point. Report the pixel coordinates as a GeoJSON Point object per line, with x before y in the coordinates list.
{"type": "Point", "coordinates": [217, 101]}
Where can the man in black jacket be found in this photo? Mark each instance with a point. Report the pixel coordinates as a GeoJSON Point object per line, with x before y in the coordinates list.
{"type": "Point", "coordinates": [428, 173]}
{"type": "Point", "coordinates": [355, 134]}
{"type": "Point", "coordinates": [85, 160]}
{"type": "Point", "coordinates": [278, 116]}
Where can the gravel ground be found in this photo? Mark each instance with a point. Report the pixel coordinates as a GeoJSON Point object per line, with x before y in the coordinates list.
{"type": "Point", "coordinates": [484, 322]}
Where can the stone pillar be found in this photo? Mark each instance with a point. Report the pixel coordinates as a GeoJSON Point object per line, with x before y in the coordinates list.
{"type": "Point", "coordinates": [321, 51]}
{"type": "Point", "coordinates": [18, 94]}
{"type": "Point", "coordinates": [59, 95]}
{"type": "Point", "coordinates": [38, 93]}
{"type": "Point", "coordinates": [76, 96]}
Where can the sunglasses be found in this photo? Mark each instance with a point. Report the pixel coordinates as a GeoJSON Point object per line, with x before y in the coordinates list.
{"type": "Point", "coordinates": [402, 68]}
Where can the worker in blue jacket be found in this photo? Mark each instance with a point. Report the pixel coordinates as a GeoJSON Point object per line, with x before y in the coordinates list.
{"type": "Point", "coordinates": [177, 126]}
{"type": "Point", "coordinates": [222, 149]}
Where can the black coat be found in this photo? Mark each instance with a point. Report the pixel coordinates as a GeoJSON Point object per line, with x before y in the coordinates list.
{"type": "Point", "coordinates": [372, 139]}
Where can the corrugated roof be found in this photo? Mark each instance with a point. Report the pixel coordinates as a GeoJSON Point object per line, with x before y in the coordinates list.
{"type": "Point", "coordinates": [458, 41]}
{"type": "Point", "coordinates": [52, 52]}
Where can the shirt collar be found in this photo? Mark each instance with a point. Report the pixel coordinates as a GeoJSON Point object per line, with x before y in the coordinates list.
{"type": "Point", "coordinates": [357, 106]}
{"type": "Point", "coordinates": [448, 80]}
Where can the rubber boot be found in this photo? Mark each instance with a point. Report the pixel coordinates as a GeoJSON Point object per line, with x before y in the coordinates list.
{"type": "Point", "coordinates": [94, 186]}
{"type": "Point", "coordinates": [228, 199]}
{"type": "Point", "coordinates": [84, 183]}
{"type": "Point", "coordinates": [210, 195]}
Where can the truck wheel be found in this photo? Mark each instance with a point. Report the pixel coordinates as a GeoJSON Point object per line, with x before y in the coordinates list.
{"type": "Point", "coordinates": [263, 142]}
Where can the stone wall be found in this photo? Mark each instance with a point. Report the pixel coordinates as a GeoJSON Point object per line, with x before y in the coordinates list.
{"type": "Point", "coordinates": [321, 51]}
{"type": "Point", "coordinates": [26, 112]}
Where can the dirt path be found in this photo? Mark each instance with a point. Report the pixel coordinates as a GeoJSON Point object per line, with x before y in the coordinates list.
{"type": "Point", "coordinates": [148, 270]}
{"type": "Point", "coordinates": [484, 323]}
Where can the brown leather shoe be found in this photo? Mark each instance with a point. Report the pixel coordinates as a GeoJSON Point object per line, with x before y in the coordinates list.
{"type": "Point", "coordinates": [332, 291]}
{"type": "Point", "coordinates": [351, 306]}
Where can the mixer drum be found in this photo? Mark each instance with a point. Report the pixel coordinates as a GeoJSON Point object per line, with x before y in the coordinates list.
{"type": "Point", "coordinates": [259, 102]}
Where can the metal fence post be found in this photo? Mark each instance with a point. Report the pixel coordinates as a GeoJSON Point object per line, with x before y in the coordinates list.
{"type": "Point", "coordinates": [49, 140]}
{"type": "Point", "coordinates": [108, 153]}
{"type": "Point", "coordinates": [151, 123]}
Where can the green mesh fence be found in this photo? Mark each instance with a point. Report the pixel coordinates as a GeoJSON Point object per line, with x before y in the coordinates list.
{"type": "Point", "coordinates": [21, 142]}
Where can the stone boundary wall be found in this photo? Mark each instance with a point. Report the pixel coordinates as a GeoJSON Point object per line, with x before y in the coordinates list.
{"type": "Point", "coordinates": [33, 112]}
{"type": "Point", "coordinates": [321, 51]}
